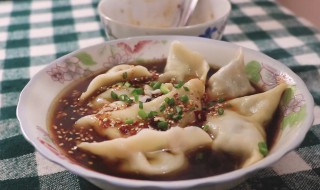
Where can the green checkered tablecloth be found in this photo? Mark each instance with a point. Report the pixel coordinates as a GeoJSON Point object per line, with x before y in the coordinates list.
{"type": "Point", "coordinates": [34, 33]}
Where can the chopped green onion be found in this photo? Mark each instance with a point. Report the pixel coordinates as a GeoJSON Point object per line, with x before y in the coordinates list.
{"type": "Point", "coordinates": [220, 100]}
{"type": "Point", "coordinates": [122, 97]}
{"type": "Point", "coordinates": [142, 114]}
{"type": "Point", "coordinates": [125, 75]}
{"type": "Point", "coordinates": [156, 85]}
{"type": "Point", "coordinates": [220, 111]}
{"type": "Point", "coordinates": [177, 117]}
{"type": "Point", "coordinates": [186, 88]}
{"type": "Point", "coordinates": [164, 89]}
{"type": "Point", "coordinates": [137, 91]}
{"type": "Point", "coordinates": [184, 98]}
{"type": "Point", "coordinates": [136, 97]}
{"type": "Point", "coordinates": [163, 125]}
{"type": "Point", "coordinates": [152, 83]}
{"type": "Point", "coordinates": [127, 84]}
{"type": "Point", "coordinates": [179, 85]}
{"type": "Point", "coordinates": [179, 109]}
{"type": "Point", "coordinates": [162, 108]}
{"type": "Point", "coordinates": [205, 127]}
{"type": "Point", "coordinates": [114, 95]}
{"type": "Point", "coordinates": [263, 148]}
{"type": "Point", "coordinates": [140, 105]}
{"type": "Point", "coordinates": [152, 114]}
{"type": "Point", "coordinates": [169, 101]}
{"type": "Point", "coordinates": [129, 101]}
{"type": "Point", "coordinates": [129, 121]}
{"type": "Point", "coordinates": [125, 98]}
{"type": "Point", "coordinates": [170, 115]}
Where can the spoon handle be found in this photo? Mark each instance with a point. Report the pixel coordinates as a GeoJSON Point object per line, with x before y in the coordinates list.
{"type": "Point", "coordinates": [186, 12]}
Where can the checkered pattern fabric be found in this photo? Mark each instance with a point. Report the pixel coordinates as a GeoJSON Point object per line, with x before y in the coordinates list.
{"type": "Point", "coordinates": [34, 33]}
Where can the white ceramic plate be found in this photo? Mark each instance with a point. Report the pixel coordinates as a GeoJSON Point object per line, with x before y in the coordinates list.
{"type": "Point", "coordinates": [265, 72]}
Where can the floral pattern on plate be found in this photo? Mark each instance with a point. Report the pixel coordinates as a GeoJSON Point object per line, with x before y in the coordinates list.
{"type": "Point", "coordinates": [124, 52]}
{"type": "Point", "coordinates": [79, 65]}
{"type": "Point", "coordinates": [293, 108]}
{"type": "Point", "coordinates": [72, 68]}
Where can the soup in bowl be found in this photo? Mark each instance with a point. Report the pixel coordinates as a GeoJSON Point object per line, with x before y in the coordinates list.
{"type": "Point", "coordinates": [165, 112]}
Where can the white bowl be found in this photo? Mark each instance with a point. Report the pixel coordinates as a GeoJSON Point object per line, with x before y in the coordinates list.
{"type": "Point", "coordinates": [45, 85]}
{"type": "Point", "coordinates": [127, 18]}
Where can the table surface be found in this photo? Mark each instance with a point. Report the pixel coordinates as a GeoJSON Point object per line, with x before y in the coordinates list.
{"type": "Point", "coordinates": [34, 33]}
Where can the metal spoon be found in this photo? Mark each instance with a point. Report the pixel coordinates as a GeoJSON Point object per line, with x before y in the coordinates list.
{"type": "Point", "coordinates": [186, 11]}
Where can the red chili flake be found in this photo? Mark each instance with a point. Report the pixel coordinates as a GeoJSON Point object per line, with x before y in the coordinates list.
{"type": "Point", "coordinates": [205, 98]}
{"type": "Point", "coordinates": [124, 130]}
{"type": "Point", "coordinates": [200, 115]}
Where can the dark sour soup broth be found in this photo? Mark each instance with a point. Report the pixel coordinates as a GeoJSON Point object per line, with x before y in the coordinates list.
{"type": "Point", "coordinates": [67, 109]}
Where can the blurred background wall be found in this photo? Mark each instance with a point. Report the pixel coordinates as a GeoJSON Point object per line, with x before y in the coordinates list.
{"type": "Point", "coordinates": [309, 9]}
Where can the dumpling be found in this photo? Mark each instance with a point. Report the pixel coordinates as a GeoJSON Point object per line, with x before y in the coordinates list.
{"type": "Point", "coordinates": [118, 73]}
{"type": "Point", "coordinates": [95, 122]}
{"type": "Point", "coordinates": [236, 135]}
{"type": "Point", "coordinates": [196, 90]}
{"type": "Point", "coordinates": [260, 107]}
{"type": "Point", "coordinates": [242, 126]}
{"type": "Point", "coordinates": [184, 64]}
{"type": "Point", "coordinates": [163, 153]}
{"type": "Point", "coordinates": [105, 98]}
{"type": "Point", "coordinates": [230, 81]}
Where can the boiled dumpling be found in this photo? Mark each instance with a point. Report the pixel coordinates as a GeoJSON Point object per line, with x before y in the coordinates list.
{"type": "Point", "coordinates": [196, 90]}
{"type": "Point", "coordinates": [230, 81]}
{"type": "Point", "coordinates": [242, 126]}
{"type": "Point", "coordinates": [184, 64]}
{"type": "Point", "coordinates": [105, 98]}
{"type": "Point", "coordinates": [163, 153]}
{"type": "Point", "coordinates": [94, 122]}
{"type": "Point", "coordinates": [260, 107]}
{"type": "Point", "coordinates": [118, 73]}
{"type": "Point", "coordinates": [236, 135]}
